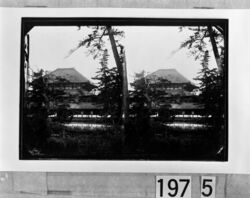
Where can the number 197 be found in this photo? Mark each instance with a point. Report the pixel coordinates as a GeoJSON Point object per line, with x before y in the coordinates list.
{"type": "Point", "coordinates": [174, 187]}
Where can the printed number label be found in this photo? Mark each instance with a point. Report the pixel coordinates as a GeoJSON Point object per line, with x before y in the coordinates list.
{"type": "Point", "coordinates": [173, 187]}
{"type": "Point", "coordinates": [208, 187]}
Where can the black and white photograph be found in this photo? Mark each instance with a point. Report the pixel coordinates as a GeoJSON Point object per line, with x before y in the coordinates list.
{"type": "Point", "coordinates": [124, 89]}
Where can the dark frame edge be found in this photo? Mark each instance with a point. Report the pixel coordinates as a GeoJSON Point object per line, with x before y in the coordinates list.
{"type": "Point", "coordinates": [28, 22]}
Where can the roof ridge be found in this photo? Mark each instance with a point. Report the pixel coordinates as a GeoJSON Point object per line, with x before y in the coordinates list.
{"type": "Point", "coordinates": [172, 74]}
{"type": "Point", "coordinates": [162, 70]}
{"type": "Point", "coordinates": [71, 74]}
{"type": "Point", "coordinates": [66, 68]}
{"type": "Point", "coordinates": [168, 69]}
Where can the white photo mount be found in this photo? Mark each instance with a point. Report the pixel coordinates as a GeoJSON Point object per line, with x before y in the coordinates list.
{"type": "Point", "coordinates": [238, 148]}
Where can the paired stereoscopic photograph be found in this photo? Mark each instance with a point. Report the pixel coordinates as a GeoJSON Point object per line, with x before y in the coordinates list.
{"type": "Point", "coordinates": [124, 89]}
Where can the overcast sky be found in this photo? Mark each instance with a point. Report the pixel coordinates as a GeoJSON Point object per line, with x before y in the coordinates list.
{"type": "Point", "coordinates": [147, 48]}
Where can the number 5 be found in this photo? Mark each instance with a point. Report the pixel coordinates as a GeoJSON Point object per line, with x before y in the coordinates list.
{"type": "Point", "coordinates": [208, 187]}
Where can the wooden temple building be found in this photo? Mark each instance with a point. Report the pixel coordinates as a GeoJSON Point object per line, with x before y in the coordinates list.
{"type": "Point", "coordinates": [178, 93]}
{"type": "Point", "coordinates": [80, 97]}
{"type": "Point", "coordinates": [77, 91]}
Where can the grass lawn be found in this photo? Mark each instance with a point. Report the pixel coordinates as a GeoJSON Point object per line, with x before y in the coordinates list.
{"type": "Point", "coordinates": [165, 143]}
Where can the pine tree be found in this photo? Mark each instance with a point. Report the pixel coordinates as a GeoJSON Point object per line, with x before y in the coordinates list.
{"type": "Point", "coordinates": [96, 43]}
{"type": "Point", "coordinates": [198, 42]}
{"type": "Point", "coordinates": [109, 89]}
{"type": "Point", "coordinates": [139, 99]}
{"type": "Point", "coordinates": [40, 100]}
{"type": "Point", "coordinates": [139, 134]}
{"type": "Point", "coordinates": [212, 92]}
{"type": "Point", "coordinates": [36, 112]}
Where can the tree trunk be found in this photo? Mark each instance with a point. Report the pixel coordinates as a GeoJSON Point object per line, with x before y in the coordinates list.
{"type": "Point", "coordinates": [121, 66]}
{"type": "Point", "coordinates": [115, 51]}
{"type": "Point", "coordinates": [215, 49]}
{"type": "Point", "coordinates": [124, 86]}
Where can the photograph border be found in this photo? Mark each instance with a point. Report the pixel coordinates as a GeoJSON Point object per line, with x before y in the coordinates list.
{"type": "Point", "coordinates": [28, 22]}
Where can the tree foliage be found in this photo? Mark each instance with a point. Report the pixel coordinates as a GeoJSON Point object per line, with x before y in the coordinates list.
{"type": "Point", "coordinates": [148, 96]}
{"type": "Point", "coordinates": [56, 101]}
{"type": "Point", "coordinates": [36, 112]}
{"type": "Point", "coordinates": [108, 87]}
{"type": "Point", "coordinates": [212, 95]}
{"type": "Point", "coordinates": [139, 133]}
{"type": "Point", "coordinates": [97, 40]}
{"type": "Point", "coordinates": [206, 38]}
{"type": "Point", "coordinates": [139, 98]}
{"type": "Point", "coordinates": [40, 101]}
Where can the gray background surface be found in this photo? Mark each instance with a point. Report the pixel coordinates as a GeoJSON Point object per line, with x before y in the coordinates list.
{"type": "Point", "coordinates": [123, 185]}
{"type": "Point", "coordinates": [220, 4]}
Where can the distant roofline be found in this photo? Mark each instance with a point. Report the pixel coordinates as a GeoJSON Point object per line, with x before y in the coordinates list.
{"type": "Point", "coordinates": [171, 69]}
{"type": "Point", "coordinates": [72, 68]}
{"type": "Point", "coordinates": [165, 70]}
{"type": "Point", "coordinates": [66, 68]}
